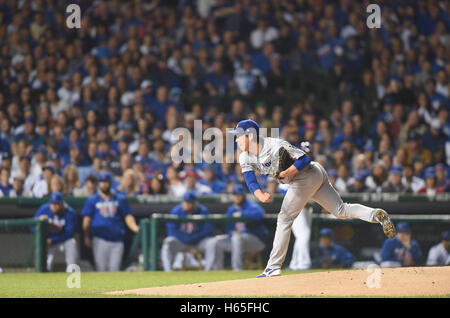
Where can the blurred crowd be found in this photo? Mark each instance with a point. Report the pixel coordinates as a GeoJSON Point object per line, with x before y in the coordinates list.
{"type": "Point", "coordinates": [106, 97]}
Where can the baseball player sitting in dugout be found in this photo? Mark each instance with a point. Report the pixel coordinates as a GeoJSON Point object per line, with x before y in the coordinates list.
{"type": "Point", "coordinates": [329, 254]}
{"type": "Point", "coordinates": [62, 222]}
{"type": "Point", "coordinates": [242, 237]}
{"type": "Point", "coordinates": [183, 236]}
{"type": "Point", "coordinates": [401, 250]}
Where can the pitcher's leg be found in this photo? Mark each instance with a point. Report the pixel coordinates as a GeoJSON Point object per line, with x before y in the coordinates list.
{"type": "Point", "coordinates": [328, 198]}
{"type": "Point", "coordinates": [293, 203]}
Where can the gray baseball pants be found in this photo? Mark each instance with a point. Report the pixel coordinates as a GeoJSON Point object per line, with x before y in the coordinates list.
{"type": "Point", "coordinates": [107, 255]}
{"type": "Point", "coordinates": [237, 244]}
{"type": "Point", "coordinates": [311, 184]}
{"type": "Point", "coordinates": [68, 247]}
{"type": "Point", "coordinates": [171, 246]}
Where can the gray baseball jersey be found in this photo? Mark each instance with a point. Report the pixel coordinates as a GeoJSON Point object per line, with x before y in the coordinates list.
{"type": "Point", "coordinates": [309, 183]}
{"type": "Point", "coordinates": [265, 162]}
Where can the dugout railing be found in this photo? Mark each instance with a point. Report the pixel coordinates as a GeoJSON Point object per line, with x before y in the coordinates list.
{"type": "Point", "coordinates": [150, 229]}
{"type": "Point", "coordinates": [156, 219]}
{"type": "Point", "coordinates": [37, 251]}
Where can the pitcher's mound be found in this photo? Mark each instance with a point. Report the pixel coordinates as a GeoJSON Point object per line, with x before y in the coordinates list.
{"type": "Point", "coordinates": [412, 281]}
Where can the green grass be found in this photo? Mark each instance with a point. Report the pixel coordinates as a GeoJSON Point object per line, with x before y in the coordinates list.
{"type": "Point", "coordinates": [16, 285]}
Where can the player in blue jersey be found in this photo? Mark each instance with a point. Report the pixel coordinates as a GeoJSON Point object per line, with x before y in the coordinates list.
{"type": "Point", "coordinates": [242, 237]}
{"type": "Point", "coordinates": [62, 222]}
{"type": "Point", "coordinates": [105, 215]}
{"type": "Point", "coordinates": [184, 236]}
{"type": "Point", "coordinates": [401, 250]}
{"type": "Point", "coordinates": [329, 254]}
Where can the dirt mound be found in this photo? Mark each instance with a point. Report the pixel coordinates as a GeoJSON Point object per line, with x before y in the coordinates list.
{"type": "Point", "coordinates": [413, 281]}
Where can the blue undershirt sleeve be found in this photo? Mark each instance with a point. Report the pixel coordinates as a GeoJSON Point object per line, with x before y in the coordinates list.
{"type": "Point", "coordinates": [251, 181]}
{"type": "Point", "coordinates": [302, 162]}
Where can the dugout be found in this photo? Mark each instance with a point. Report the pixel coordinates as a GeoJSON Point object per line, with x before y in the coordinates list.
{"type": "Point", "coordinates": [429, 216]}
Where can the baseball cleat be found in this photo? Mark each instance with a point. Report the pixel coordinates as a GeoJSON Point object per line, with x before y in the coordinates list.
{"type": "Point", "coordinates": [269, 272]}
{"type": "Point", "coordinates": [388, 226]}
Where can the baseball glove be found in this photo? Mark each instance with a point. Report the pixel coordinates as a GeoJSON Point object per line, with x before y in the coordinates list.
{"type": "Point", "coordinates": [284, 161]}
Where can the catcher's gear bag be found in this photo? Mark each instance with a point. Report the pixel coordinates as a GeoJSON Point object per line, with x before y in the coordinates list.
{"type": "Point", "coordinates": [284, 161]}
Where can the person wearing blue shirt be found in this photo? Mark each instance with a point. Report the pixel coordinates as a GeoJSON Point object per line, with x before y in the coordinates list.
{"type": "Point", "coordinates": [329, 254]}
{"type": "Point", "coordinates": [182, 236]}
{"type": "Point", "coordinates": [62, 222]}
{"type": "Point", "coordinates": [242, 237]}
{"type": "Point", "coordinates": [105, 215]}
{"type": "Point", "coordinates": [401, 250]}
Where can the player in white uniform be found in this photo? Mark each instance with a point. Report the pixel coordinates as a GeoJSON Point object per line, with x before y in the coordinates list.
{"type": "Point", "coordinates": [307, 179]}
{"type": "Point", "coordinates": [439, 254]}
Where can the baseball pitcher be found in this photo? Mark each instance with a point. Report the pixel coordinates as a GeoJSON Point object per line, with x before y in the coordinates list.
{"type": "Point", "coordinates": [307, 180]}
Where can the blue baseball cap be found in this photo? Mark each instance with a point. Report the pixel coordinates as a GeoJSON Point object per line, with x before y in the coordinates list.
{"type": "Point", "coordinates": [360, 175]}
{"type": "Point", "coordinates": [397, 169]}
{"type": "Point", "coordinates": [332, 173]}
{"type": "Point", "coordinates": [326, 232]}
{"type": "Point", "coordinates": [369, 147]}
{"type": "Point", "coordinates": [56, 197]}
{"type": "Point", "coordinates": [189, 196]}
{"type": "Point", "coordinates": [105, 176]}
{"type": "Point", "coordinates": [140, 159]}
{"type": "Point", "coordinates": [41, 149]}
{"type": "Point", "coordinates": [430, 172]}
{"type": "Point", "coordinates": [246, 126]}
{"type": "Point", "coordinates": [238, 189]}
{"type": "Point", "coordinates": [50, 167]}
{"type": "Point", "coordinates": [403, 227]}
{"type": "Point", "coordinates": [446, 236]}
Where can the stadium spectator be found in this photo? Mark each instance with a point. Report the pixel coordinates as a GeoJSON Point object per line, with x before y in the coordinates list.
{"type": "Point", "coordinates": [242, 238]}
{"type": "Point", "coordinates": [175, 186]}
{"type": "Point", "coordinates": [378, 177]}
{"type": "Point", "coordinates": [128, 184]}
{"type": "Point", "coordinates": [18, 185]}
{"type": "Point", "coordinates": [328, 254]}
{"type": "Point", "coordinates": [42, 187]}
{"type": "Point", "coordinates": [57, 184]}
{"type": "Point", "coordinates": [105, 215]}
{"type": "Point", "coordinates": [439, 254]}
{"type": "Point", "coordinates": [5, 186]}
{"type": "Point", "coordinates": [395, 181]}
{"type": "Point", "coordinates": [157, 184]}
{"type": "Point", "coordinates": [441, 177]}
{"type": "Point", "coordinates": [209, 179]}
{"type": "Point", "coordinates": [191, 183]}
{"type": "Point", "coordinates": [62, 225]}
{"type": "Point", "coordinates": [187, 235]}
{"type": "Point", "coordinates": [120, 78]}
{"type": "Point", "coordinates": [401, 250]}
{"type": "Point", "coordinates": [410, 181]}
{"type": "Point", "coordinates": [88, 189]}
{"type": "Point", "coordinates": [430, 183]}
{"type": "Point", "coordinates": [71, 179]}
{"type": "Point", "coordinates": [358, 185]}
